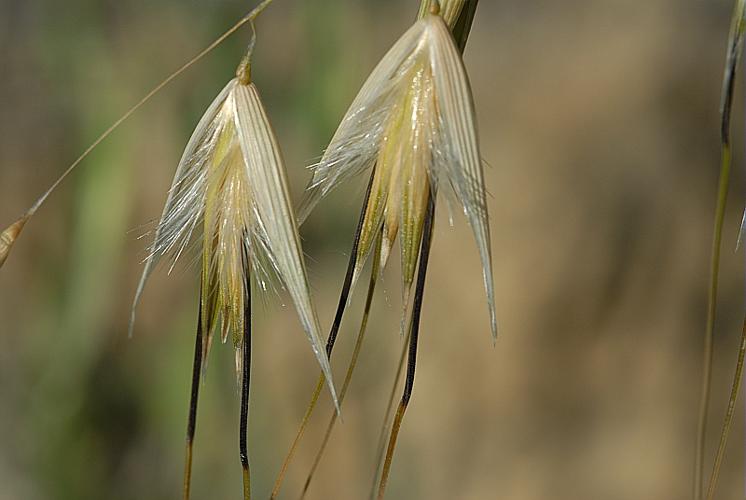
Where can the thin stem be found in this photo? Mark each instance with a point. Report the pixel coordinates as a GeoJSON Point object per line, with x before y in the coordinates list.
{"type": "Point", "coordinates": [193, 400]}
{"type": "Point", "coordinates": [331, 340]}
{"type": "Point", "coordinates": [258, 10]}
{"type": "Point", "coordinates": [301, 431]}
{"type": "Point", "coordinates": [726, 106]}
{"type": "Point", "coordinates": [413, 340]}
{"type": "Point", "coordinates": [353, 362]}
{"type": "Point", "coordinates": [381, 446]}
{"type": "Point", "coordinates": [710, 325]}
{"type": "Point", "coordinates": [347, 285]}
{"type": "Point", "coordinates": [246, 381]}
{"type": "Point", "coordinates": [735, 388]}
{"type": "Point", "coordinates": [243, 72]}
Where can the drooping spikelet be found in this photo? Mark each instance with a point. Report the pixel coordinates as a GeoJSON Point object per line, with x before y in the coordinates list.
{"type": "Point", "coordinates": [230, 194]}
{"type": "Point", "coordinates": [413, 122]}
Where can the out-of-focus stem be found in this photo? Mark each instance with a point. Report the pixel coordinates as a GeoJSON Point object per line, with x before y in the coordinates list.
{"type": "Point", "coordinates": [735, 47]}
{"type": "Point", "coordinates": [381, 446]}
{"type": "Point", "coordinates": [735, 388]}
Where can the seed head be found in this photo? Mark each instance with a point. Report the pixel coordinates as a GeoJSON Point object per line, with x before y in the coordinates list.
{"type": "Point", "coordinates": [230, 196]}
{"type": "Point", "coordinates": [413, 122]}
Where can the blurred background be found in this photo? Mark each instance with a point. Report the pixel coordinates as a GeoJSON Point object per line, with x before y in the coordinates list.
{"type": "Point", "coordinates": [599, 121]}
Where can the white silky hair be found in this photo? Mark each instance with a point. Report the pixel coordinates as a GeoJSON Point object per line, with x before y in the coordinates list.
{"type": "Point", "coordinates": [230, 196]}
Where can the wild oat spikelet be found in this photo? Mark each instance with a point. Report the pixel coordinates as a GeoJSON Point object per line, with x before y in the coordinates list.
{"type": "Point", "coordinates": [230, 188]}
{"type": "Point", "coordinates": [413, 122]}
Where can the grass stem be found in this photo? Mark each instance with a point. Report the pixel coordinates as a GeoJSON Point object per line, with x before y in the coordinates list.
{"type": "Point", "coordinates": [245, 383]}
{"type": "Point", "coordinates": [735, 43]}
{"type": "Point", "coordinates": [413, 341]}
{"type": "Point", "coordinates": [381, 446]}
{"type": "Point", "coordinates": [193, 400]}
{"type": "Point", "coordinates": [735, 388]}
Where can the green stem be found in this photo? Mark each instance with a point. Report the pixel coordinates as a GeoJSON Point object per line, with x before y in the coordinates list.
{"type": "Point", "coordinates": [381, 446]}
{"type": "Point", "coordinates": [728, 416]}
{"type": "Point", "coordinates": [710, 325]}
{"type": "Point", "coordinates": [735, 43]}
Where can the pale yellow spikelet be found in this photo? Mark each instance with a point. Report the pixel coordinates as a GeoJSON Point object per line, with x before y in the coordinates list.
{"type": "Point", "coordinates": [230, 194]}
{"type": "Point", "coordinates": [413, 122]}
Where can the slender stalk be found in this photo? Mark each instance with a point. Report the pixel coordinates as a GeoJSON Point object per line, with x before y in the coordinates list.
{"type": "Point", "coordinates": [413, 341]}
{"type": "Point", "coordinates": [381, 446]}
{"type": "Point", "coordinates": [726, 106]}
{"type": "Point", "coordinates": [330, 342]}
{"type": "Point", "coordinates": [735, 388]}
{"type": "Point", "coordinates": [301, 431]}
{"type": "Point", "coordinates": [353, 362]}
{"type": "Point", "coordinates": [246, 381]}
{"type": "Point", "coordinates": [194, 398]}
{"type": "Point", "coordinates": [710, 325]}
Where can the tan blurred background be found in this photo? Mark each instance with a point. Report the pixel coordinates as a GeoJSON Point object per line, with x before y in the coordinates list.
{"type": "Point", "coordinates": [599, 122]}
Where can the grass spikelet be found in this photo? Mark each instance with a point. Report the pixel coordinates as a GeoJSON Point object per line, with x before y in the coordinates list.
{"type": "Point", "coordinates": [230, 188]}
{"type": "Point", "coordinates": [413, 123]}
{"type": "Point", "coordinates": [413, 126]}
{"type": "Point", "coordinates": [230, 196]}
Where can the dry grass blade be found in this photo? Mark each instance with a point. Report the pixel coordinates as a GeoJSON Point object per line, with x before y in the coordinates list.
{"type": "Point", "coordinates": [735, 49]}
